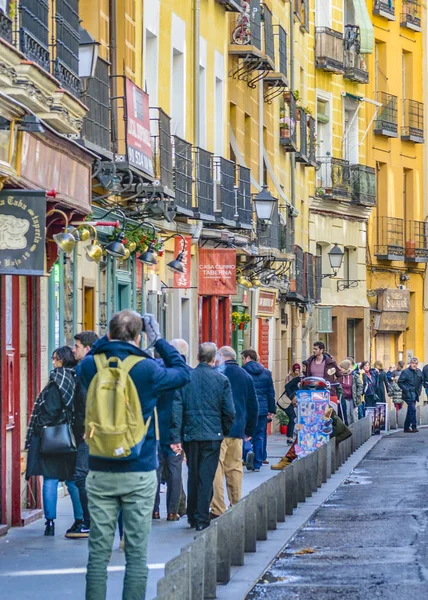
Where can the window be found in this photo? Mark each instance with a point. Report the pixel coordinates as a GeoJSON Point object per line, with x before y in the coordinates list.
{"type": "Point", "coordinates": [406, 75]}
{"type": "Point", "coordinates": [151, 67]}
{"type": "Point", "coordinates": [350, 137]}
{"type": "Point", "coordinates": [381, 81]}
{"type": "Point", "coordinates": [202, 108]}
{"type": "Point", "coordinates": [349, 13]}
{"type": "Point", "coordinates": [218, 117]}
{"type": "Point", "coordinates": [323, 13]}
{"type": "Point", "coordinates": [324, 133]}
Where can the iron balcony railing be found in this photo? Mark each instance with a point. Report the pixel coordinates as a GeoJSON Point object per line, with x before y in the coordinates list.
{"type": "Point", "coordinates": [247, 29]}
{"type": "Point", "coordinates": [413, 121]}
{"type": "Point", "coordinates": [288, 123]}
{"type": "Point", "coordinates": [299, 272]}
{"type": "Point", "coordinates": [162, 149]}
{"type": "Point", "coordinates": [387, 117]}
{"type": "Point", "coordinates": [243, 201]}
{"type": "Point", "coordinates": [288, 234]}
{"type": "Point", "coordinates": [411, 15]}
{"type": "Point", "coordinates": [269, 46]}
{"type": "Point", "coordinates": [329, 50]}
{"type": "Point", "coordinates": [282, 47]}
{"type": "Point", "coordinates": [66, 65]}
{"type": "Point", "coordinates": [416, 241]}
{"type": "Point", "coordinates": [231, 5]}
{"type": "Point", "coordinates": [302, 154]}
{"type": "Point", "coordinates": [318, 278]}
{"type": "Point", "coordinates": [224, 190]}
{"type": "Point", "coordinates": [390, 238]}
{"type": "Point", "coordinates": [363, 185]}
{"type": "Point", "coordinates": [312, 132]}
{"type": "Point", "coordinates": [6, 27]}
{"type": "Point", "coordinates": [354, 63]}
{"type": "Point", "coordinates": [96, 124]}
{"type": "Point", "coordinates": [183, 174]}
{"type": "Point", "coordinates": [271, 235]}
{"type": "Point", "coordinates": [204, 184]}
{"type": "Point", "coordinates": [384, 8]}
{"type": "Point", "coordinates": [310, 276]}
{"type": "Point", "coordinates": [333, 178]}
{"type": "Point", "coordinates": [34, 31]}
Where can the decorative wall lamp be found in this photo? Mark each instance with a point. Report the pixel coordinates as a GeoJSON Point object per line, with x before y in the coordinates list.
{"type": "Point", "coordinates": [242, 281]}
{"type": "Point", "coordinates": [148, 257]}
{"type": "Point", "coordinates": [335, 256]}
{"type": "Point", "coordinates": [176, 265]}
{"type": "Point", "coordinates": [94, 252]}
{"type": "Point", "coordinates": [264, 204]}
{"type": "Point", "coordinates": [64, 240]}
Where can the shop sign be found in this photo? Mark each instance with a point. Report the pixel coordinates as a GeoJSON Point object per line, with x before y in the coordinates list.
{"type": "Point", "coordinates": [183, 280]}
{"type": "Point", "coordinates": [391, 321]}
{"type": "Point", "coordinates": [217, 272]}
{"type": "Point", "coordinates": [138, 138]}
{"type": "Point", "coordinates": [22, 232]}
{"type": "Point", "coordinates": [266, 303]}
{"type": "Point", "coordinates": [394, 300]}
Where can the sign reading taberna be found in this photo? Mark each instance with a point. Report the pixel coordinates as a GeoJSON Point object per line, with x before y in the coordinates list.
{"type": "Point", "coordinates": [22, 232]}
{"type": "Point", "coordinates": [138, 139]}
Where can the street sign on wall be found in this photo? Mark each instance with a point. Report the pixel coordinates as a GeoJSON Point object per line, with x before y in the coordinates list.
{"type": "Point", "coordinates": [138, 139]}
{"type": "Point", "coordinates": [217, 272]}
{"type": "Point", "coordinates": [266, 303]}
{"type": "Point", "coordinates": [22, 232]}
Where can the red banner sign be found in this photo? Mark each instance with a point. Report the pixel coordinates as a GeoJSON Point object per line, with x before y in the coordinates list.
{"type": "Point", "coordinates": [182, 280]}
{"type": "Point", "coordinates": [217, 272]}
{"type": "Point", "coordinates": [138, 140]}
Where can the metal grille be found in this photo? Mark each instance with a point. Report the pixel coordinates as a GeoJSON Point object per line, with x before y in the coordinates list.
{"type": "Point", "coordinates": [230, 5]}
{"type": "Point", "coordinates": [183, 165]}
{"type": "Point", "coordinates": [204, 182]}
{"type": "Point", "coordinates": [247, 28]}
{"type": "Point", "coordinates": [34, 31]}
{"type": "Point", "coordinates": [288, 124]}
{"type": "Point", "coordinates": [417, 241]}
{"type": "Point", "coordinates": [6, 27]}
{"type": "Point", "coordinates": [413, 120]}
{"type": "Point", "coordinates": [333, 178]}
{"type": "Point", "coordinates": [302, 154]}
{"type": "Point", "coordinates": [387, 119]}
{"type": "Point", "coordinates": [363, 185]}
{"type": "Point", "coordinates": [282, 36]}
{"type": "Point", "coordinates": [67, 44]}
{"type": "Point", "coordinates": [162, 147]}
{"type": "Point", "coordinates": [312, 140]}
{"type": "Point", "coordinates": [318, 277]}
{"type": "Point", "coordinates": [245, 212]}
{"type": "Point", "coordinates": [224, 177]}
{"type": "Point", "coordinates": [288, 243]}
{"type": "Point", "coordinates": [96, 124]}
{"type": "Point", "coordinates": [329, 50]}
{"type": "Point", "coordinates": [390, 238]}
{"type": "Point", "coordinates": [384, 7]}
{"type": "Point", "coordinates": [411, 15]}
{"type": "Point", "coordinates": [269, 236]}
{"type": "Point", "coordinates": [299, 270]}
{"type": "Point", "coordinates": [268, 33]}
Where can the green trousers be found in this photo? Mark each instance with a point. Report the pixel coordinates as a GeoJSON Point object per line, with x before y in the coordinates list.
{"type": "Point", "coordinates": [134, 493]}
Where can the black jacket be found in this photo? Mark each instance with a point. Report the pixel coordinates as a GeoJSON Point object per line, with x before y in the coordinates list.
{"type": "Point", "coordinates": [244, 399]}
{"type": "Point", "coordinates": [263, 384]}
{"type": "Point", "coordinates": [410, 382]}
{"type": "Point", "coordinates": [164, 407]}
{"type": "Point", "coordinates": [203, 410]}
{"type": "Point", "coordinates": [425, 376]}
{"type": "Point", "coordinates": [382, 386]}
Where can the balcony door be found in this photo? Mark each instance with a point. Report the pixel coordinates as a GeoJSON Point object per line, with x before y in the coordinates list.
{"type": "Point", "coordinates": [350, 132]}
{"type": "Point", "coordinates": [323, 16]}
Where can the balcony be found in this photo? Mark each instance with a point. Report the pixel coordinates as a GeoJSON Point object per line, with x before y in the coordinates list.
{"type": "Point", "coordinates": [243, 200]}
{"type": "Point", "coordinates": [333, 179]}
{"type": "Point", "coordinates": [302, 154]}
{"type": "Point", "coordinates": [416, 242]}
{"type": "Point", "coordinates": [66, 64]}
{"type": "Point", "coordinates": [385, 9]}
{"type": "Point", "coordinates": [204, 185]}
{"type": "Point", "coordinates": [354, 63]}
{"type": "Point", "coordinates": [34, 31]}
{"type": "Point", "coordinates": [288, 123]}
{"type": "Point", "coordinates": [183, 175]}
{"type": "Point", "coordinates": [277, 80]}
{"type": "Point", "coordinates": [312, 162]}
{"type": "Point", "coordinates": [363, 185]}
{"type": "Point", "coordinates": [224, 191]}
{"type": "Point", "coordinates": [411, 15]}
{"type": "Point", "coordinates": [390, 238]}
{"type": "Point", "coordinates": [96, 131]}
{"type": "Point", "coordinates": [413, 122]}
{"type": "Point", "coordinates": [230, 5]}
{"type": "Point", "coordinates": [6, 27]}
{"type": "Point", "coordinates": [160, 124]}
{"type": "Point", "coordinates": [297, 281]}
{"type": "Point", "coordinates": [387, 118]}
{"type": "Point", "coordinates": [329, 50]}
{"type": "Point", "coordinates": [270, 235]}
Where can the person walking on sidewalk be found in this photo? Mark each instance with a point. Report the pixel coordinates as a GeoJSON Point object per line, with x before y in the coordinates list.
{"type": "Point", "coordinates": [169, 460]}
{"type": "Point", "coordinates": [352, 387]}
{"type": "Point", "coordinates": [244, 426]}
{"type": "Point", "coordinates": [202, 414]}
{"type": "Point", "coordinates": [83, 343]}
{"type": "Point", "coordinates": [54, 406]}
{"type": "Point", "coordinates": [129, 484]}
{"type": "Point", "coordinates": [410, 382]}
{"type": "Point", "coordinates": [265, 393]}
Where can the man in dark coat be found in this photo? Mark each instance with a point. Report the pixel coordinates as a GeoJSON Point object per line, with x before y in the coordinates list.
{"type": "Point", "coordinates": [410, 383]}
{"type": "Point", "coordinates": [321, 364]}
{"type": "Point", "coordinates": [265, 392]}
{"type": "Point", "coordinates": [244, 427]}
{"type": "Point", "coordinates": [202, 415]}
{"type": "Point", "coordinates": [130, 485]}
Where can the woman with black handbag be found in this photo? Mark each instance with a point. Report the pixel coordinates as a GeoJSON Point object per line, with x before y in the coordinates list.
{"type": "Point", "coordinates": [50, 440]}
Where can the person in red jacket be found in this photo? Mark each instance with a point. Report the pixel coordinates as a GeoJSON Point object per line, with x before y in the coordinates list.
{"type": "Point", "coordinates": [321, 364]}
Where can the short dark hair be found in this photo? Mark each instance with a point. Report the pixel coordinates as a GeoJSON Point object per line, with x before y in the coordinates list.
{"type": "Point", "coordinates": [320, 345]}
{"type": "Point", "coordinates": [250, 353]}
{"type": "Point", "coordinates": [65, 354]}
{"type": "Point", "coordinates": [125, 325]}
{"type": "Point", "coordinates": [86, 338]}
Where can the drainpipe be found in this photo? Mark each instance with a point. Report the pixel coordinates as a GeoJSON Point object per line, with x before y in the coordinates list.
{"type": "Point", "coordinates": [113, 71]}
{"type": "Point", "coordinates": [196, 55]}
{"type": "Point", "coordinates": [294, 323]}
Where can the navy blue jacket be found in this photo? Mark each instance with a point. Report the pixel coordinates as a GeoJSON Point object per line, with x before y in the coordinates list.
{"type": "Point", "coordinates": [164, 406]}
{"type": "Point", "coordinates": [203, 410]}
{"type": "Point", "coordinates": [151, 379]}
{"type": "Point", "coordinates": [263, 383]}
{"type": "Point", "coordinates": [410, 383]}
{"type": "Point", "coordinates": [244, 398]}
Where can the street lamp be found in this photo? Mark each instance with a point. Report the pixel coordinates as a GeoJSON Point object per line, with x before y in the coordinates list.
{"type": "Point", "coordinates": [264, 204]}
{"type": "Point", "coordinates": [176, 265]}
{"type": "Point", "coordinates": [335, 256]}
{"type": "Point", "coordinates": [88, 54]}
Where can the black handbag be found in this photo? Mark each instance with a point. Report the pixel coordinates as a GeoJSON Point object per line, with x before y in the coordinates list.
{"type": "Point", "coordinates": [57, 439]}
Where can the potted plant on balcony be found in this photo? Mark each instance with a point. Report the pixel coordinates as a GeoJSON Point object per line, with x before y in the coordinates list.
{"type": "Point", "coordinates": [236, 320]}
{"type": "Point", "coordinates": [283, 421]}
{"type": "Point", "coordinates": [245, 319]}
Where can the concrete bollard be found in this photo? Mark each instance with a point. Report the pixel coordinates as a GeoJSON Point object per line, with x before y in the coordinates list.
{"type": "Point", "coordinates": [322, 465]}
{"type": "Point", "coordinates": [314, 471]}
{"type": "Point", "coordinates": [271, 504]}
{"type": "Point", "coordinates": [223, 547]}
{"type": "Point", "coordinates": [209, 536]}
{"type": "Point", "coordinates": [280, 496]}
{"type": "Point", "coordinates": [237, 547]}
{"type": "Point", "coordinates": [308, 474]}
{"type": "Point", "coordinates": [177, 577]}
{"type": "Point", "coordinates": [333, 447]}
{"type": "Point", "coordinates": [197, 566]}
{"type": "Point", "coordinates": [261, 512]}
{"type": "Point", "coordinates": [250, 523]}
{"type": "Point", "coordinates": [300, 474]}
{"type": "Point", "coordinates": [328, 462]}
{"type": "Point", "coordinates": [290, 495]}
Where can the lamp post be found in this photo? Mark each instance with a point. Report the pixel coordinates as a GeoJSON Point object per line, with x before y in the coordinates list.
{"type": "Point", "coordinates": [335, 256]}
{"type": "Point", "coordinates": [88, 54]}
{"type": "Point", "coordinates": [264, 203]}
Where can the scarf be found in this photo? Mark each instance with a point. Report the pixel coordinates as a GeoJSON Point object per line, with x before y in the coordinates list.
{"type": "Point", "coordinates": [64, 379]}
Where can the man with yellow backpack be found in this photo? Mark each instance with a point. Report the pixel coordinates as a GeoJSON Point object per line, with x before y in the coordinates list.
{"type": "Point", "coordinates": [121, 383]}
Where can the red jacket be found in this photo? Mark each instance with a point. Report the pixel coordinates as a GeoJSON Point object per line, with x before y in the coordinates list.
{"type": "Point", "coordinates": [331, 370]}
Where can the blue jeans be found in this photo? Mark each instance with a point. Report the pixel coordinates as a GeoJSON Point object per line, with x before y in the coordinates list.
{"type": "Point", "coordinates": [259, 441]}
{"type": "Point", "coordinates": [50, 497]}
{"type": "Point", "coordinates": [246, 447]}
{"type": "Point", "coordinates": [361, 410]}
{"type": "Point", "coordinates": [410, 420]}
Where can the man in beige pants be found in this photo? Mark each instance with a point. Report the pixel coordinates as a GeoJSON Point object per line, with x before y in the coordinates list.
{"type": "Point", "coordinates": [244, 425]}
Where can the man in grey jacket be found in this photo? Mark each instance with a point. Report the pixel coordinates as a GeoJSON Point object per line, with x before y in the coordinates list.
{"type": "Point", "coordinates": [202, 414]}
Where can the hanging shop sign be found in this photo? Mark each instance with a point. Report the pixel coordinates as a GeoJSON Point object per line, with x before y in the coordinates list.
{"type": "Point", "coordinates": [217, 272]}
{"type": "Point", "coordinates": [183, 280]}
{"type": "Point", "coordinates": [138, 140]}
{"type": "Point", "coordinates": [391, 321]}
{"type": "Point", "coordinates": [22, 232]}
{"type": "Point", "coordinates": [394, 300]}
{"type": "Point", "coordinates": [266, 303]}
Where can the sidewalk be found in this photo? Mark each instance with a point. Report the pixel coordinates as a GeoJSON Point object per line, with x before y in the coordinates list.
{"type": "Point", "coordinates": [38, 568]}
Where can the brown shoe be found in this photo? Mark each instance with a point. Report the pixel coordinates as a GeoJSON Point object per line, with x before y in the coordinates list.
{"type": "Point", "coordinates": [284, 462]}
{"type": "Point", "coordinates": [213, 516]}
{"type": "Point", "coordinates": [265, 462]}
{"type": "Point", "coordinates": [415, 430]}
{"type": "Point", "coordinates": [155, 516]}
{"type": "Point", "coordinates": [407, 431]}
{"type": "Point", "coordinates": [173, 517]}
